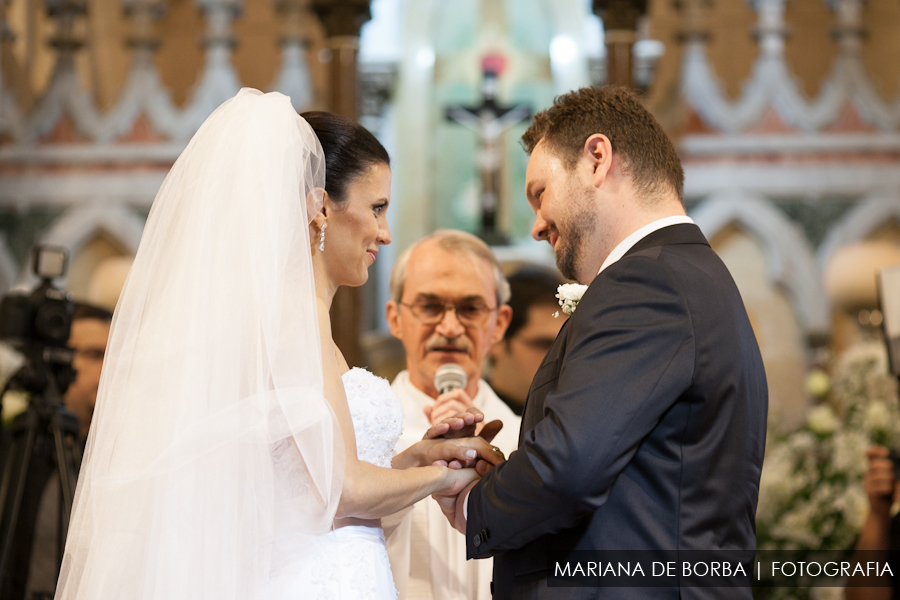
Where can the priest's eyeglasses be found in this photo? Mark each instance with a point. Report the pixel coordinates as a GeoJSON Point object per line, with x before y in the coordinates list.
{"type": "Point", "coordinates": [469, 312]}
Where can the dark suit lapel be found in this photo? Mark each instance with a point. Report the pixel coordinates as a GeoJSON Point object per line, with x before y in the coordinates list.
{"type": "Point", "coordinates": [683, 233]}
{"type": "Point", "coordinates": [553, 355]}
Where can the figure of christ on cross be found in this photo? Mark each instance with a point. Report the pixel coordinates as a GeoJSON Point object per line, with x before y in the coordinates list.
{"type": "Point", "coordinates": [489, 120]}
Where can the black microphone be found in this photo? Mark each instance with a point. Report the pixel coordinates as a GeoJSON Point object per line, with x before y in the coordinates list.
{"type": "Point", "coordinates": [449, 377]}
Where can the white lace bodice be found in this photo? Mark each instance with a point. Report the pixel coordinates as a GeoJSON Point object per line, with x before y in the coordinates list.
{"type": "Point", "coordinates": [377, 416]}
{"type": "Point", "coordinates": [377, 422]}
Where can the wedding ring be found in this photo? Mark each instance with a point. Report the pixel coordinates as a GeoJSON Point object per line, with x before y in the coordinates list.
{"type": "Point", "coordinates": [496, 449]}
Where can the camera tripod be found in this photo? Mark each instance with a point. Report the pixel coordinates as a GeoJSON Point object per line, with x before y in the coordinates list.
{"type": "Point", "coordinates": [42, 445]}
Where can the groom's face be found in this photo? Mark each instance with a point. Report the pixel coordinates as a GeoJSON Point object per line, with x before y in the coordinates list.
{"type": "Point", "coordinates": [563, 214]}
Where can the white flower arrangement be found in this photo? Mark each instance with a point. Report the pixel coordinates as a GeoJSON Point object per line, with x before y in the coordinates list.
{"type": "Point", "coordinates": [569, 294]}
{"type": "Point", "coordinates": [810, 491]}
{"type": "Point", "coordinates": [822, 420]}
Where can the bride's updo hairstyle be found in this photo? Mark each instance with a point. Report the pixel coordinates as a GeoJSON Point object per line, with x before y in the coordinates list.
{"type": "Point", "coordinates": [350, 149]}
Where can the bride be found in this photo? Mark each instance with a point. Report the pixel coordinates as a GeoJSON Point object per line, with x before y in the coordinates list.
{"type": "Point", "coordinates": [233, 455]}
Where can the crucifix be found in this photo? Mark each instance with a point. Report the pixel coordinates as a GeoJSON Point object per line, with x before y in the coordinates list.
{"type": "Point", "coordinates": [489, 120]}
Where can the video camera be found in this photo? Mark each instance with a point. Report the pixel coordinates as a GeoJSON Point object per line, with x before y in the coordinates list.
{"type": "Point", "coordinates": [38, 324]}
{"type": "Point", "coordinates": [41, 442]}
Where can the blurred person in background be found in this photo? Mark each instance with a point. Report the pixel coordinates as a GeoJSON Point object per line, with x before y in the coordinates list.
{"type": "Point", "coordinates": [533, 327]}
{"type": "Point", "coordinates": [880, 537]}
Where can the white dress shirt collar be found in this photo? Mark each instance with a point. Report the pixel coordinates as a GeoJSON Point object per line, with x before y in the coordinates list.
{"type": "Point", "coordinates": [629, 242]}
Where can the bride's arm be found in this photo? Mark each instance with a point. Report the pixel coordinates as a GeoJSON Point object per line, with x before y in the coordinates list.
{"type": "Point", "coordinates": [371, 492]}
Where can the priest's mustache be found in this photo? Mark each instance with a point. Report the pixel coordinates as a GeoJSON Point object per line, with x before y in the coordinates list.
{"type": "Point", "coordinates": [442, 342]}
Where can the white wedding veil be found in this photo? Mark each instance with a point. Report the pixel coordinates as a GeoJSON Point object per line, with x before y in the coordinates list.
{"type": "Point", "coordinates": [213, 359]}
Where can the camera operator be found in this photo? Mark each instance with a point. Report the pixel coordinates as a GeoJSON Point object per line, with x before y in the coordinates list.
{"type": "Point", "coordinates": [881, 532]}
{"type": "Point", "coordinates": [41, 443]}
{"type": "Point", "coordinates": [90, 332]}
{"type": "Point", "coordinates": [88, 338]}
{"type": "Point", "coordinates": [532, 329]}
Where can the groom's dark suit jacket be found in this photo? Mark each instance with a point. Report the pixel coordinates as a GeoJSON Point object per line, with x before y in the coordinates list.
{"type": "Point", "coordinates": [644, 428]}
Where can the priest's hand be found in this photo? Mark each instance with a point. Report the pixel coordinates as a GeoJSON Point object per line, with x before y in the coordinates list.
{"type": "Point", "coordinates": [448, 404]}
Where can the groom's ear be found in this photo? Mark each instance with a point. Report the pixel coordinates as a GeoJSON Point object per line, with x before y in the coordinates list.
{"type": "Point", "coordinates": [598, 155]}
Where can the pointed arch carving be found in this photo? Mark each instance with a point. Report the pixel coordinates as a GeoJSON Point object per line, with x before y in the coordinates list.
{"type": "Point", "coordinates": [790, 259]}
{"type": "Point", "coordinates": [861, 222]}
{"type": "Point", "coordinates": [82, 223]}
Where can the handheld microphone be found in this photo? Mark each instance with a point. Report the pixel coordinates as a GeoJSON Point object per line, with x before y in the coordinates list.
{"type": "Point", "coordinates": [449, 377]}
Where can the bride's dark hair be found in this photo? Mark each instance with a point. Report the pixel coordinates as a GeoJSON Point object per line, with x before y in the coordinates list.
{"type": "Point", "coordinates": [350, 149]}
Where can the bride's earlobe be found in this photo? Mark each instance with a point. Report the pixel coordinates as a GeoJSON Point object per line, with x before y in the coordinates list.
{"type": "Point", "coordinates": [315, 199]}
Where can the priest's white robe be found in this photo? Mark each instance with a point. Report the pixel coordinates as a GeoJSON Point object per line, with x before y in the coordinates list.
{"type": "Point", "coordinates": [428, 556]}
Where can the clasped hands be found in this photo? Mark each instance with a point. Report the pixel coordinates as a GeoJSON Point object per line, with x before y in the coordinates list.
{"type": "Point", "coordinates": [462, 427]}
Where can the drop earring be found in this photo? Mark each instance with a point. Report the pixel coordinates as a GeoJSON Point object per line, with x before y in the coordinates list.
{"type": "Point", "coordinates": [322, 238]}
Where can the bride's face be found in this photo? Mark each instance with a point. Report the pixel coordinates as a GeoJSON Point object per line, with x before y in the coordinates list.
{"type": "Point", "coordinates": [358, 226]}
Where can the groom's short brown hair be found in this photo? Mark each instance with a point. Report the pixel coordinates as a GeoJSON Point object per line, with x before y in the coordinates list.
{"type": "Point", "coordinates": [648, 154]}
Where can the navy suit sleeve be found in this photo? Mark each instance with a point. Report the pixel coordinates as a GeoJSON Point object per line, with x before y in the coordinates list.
{"type": "Point", "coordinates": [629, 356]}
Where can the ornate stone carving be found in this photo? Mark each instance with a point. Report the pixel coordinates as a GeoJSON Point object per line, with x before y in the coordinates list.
{"type": "Point", "coordinates": [143, 91]}
{"type": "Point", "coordinates": [376, 85]}
{"type": "Point", "coordinates": [771, 84]}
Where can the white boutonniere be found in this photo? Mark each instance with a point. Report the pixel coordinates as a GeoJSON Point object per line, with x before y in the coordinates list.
{"type": "Point", "coordinates": [569, 295]}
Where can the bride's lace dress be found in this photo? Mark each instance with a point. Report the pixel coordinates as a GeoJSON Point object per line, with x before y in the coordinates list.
{"type": "Point", "coordinates": [349, 562]}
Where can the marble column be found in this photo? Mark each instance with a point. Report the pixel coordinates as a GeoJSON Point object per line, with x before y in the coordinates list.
{"type": "Point", "coordinates": [342, 20]}
{"type": "Point", "coordinates": [620, 21]}
{"type": "Point", "coordinates": [143, 15]}
{"type": "Point", "coordinates": [65, 40]}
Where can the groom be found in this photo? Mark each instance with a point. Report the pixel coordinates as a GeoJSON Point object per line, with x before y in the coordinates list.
{"type": "Point", "coordinates": [645, 426]}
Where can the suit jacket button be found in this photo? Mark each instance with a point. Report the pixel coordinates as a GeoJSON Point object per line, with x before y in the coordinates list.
{"type": "Point", "coordinates": [485, 534]}
{"type": "Point", "coordinates": [476, 541]}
